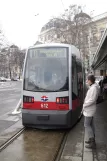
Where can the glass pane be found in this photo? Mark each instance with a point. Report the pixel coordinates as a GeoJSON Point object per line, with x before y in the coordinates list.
{"type": "Point", "coordinates": [46, 70]}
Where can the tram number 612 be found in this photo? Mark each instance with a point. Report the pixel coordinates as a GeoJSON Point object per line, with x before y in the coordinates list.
{"type": "Point", "coordinates": [44, 105]}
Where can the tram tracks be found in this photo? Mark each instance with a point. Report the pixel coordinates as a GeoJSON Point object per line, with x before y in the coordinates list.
{"type": "Point", "coordinates": [39, 145]}
{"type": "Point", "coordinates": [61, 147]}
{"type": "Point", "coordinates": [9, 141]}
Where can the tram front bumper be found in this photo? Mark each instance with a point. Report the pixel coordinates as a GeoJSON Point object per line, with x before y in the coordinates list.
{"type": "Point", "coordinates": [48, 119]}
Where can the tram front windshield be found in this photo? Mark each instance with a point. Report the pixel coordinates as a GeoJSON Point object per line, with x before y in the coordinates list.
{"type": "Point", "coordinates": [46, 69]}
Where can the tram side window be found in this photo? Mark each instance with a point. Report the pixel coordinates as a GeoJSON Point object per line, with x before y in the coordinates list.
{"type": "Point", "coordinates": [74, 77]}
{"type": "Point", "coordinates": [80, 79]}
{"type": "Point", "coordinates": [79, 73]}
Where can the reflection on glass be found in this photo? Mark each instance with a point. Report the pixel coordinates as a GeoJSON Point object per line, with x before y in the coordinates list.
{"type": "Point", "coordinates": [45, 72]}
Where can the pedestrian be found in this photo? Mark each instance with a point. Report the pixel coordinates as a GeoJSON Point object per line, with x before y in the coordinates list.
{"type": "Point", "coordinates": [89, 109]}
{"type": "Point", "coordinates": [101, 86]}
{"type": "Point", "coordinates": [104, 82]}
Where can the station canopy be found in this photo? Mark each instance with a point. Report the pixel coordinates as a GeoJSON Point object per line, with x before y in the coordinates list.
{"type": "Point", "coordinates": [100, 58]}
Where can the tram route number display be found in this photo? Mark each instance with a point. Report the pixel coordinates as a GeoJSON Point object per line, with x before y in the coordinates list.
{"type": "Point", "coordinates": [44, 105]}
{"type": "Point", "coordinates": [49, 52]}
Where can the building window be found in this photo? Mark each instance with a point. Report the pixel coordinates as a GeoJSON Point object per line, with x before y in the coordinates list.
{"type": "Point", "coordinates": [94, 39]}
{"type": "Point", "coordinates": [87, 39]}
{"type": "Point", "coordinates": [49, 37]}
{"type": "Point", "coordinates": [15, 68]}
{"type": "Point", "coordinates": [45, 38]}
{"type": "Point", "coordinates": [102, 32]}
{"type": "Point", "coordinates": [41, 39]}
{"type": "Point", "coordinates": [58, 36]}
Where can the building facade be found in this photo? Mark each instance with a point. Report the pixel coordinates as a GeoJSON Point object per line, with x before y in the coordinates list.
{"type": "Point", "coordinates": [101, 24]}
{"type": "Point", "coordinates": [92, 38]}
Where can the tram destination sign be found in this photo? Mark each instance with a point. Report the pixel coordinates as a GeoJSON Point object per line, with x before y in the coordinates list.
{"type": "Point", "coordinates": [47, 52]}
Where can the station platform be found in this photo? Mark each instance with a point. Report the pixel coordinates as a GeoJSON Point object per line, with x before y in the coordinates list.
{"type": "Point", "coordinates": [74, 149]}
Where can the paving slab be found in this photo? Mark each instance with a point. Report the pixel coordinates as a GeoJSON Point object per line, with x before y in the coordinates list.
{"type": "Point", "coordinates": [73, 150]}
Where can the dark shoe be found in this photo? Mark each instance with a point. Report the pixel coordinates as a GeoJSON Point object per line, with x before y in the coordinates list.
{"type": "Point", "coordinates": [92, 144]}
{"type": "Point", "coordinates": [94, 136]}
{"type": "Point", "coordinates": [89, 141]}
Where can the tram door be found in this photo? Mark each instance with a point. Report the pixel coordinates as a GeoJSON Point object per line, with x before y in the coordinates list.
{"type": "Point", "coordinates": [74, 83]}
{"type": "Point", "coordinates": [77, 93]}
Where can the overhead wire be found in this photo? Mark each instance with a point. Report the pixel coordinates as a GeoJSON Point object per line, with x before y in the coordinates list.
{"type": "Point", "coordinates": [63, 5]}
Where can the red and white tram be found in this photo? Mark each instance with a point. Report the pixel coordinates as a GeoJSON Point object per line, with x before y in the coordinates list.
{"type": "Point", "coordinates": [53, 86]}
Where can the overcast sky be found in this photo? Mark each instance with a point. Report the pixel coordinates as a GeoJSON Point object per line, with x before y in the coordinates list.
{"type": "Point", "coordinates": [21, 26]}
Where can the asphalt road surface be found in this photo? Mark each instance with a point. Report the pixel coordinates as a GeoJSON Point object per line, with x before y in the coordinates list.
{"type": "Point", "coordinates": [10, 93]}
